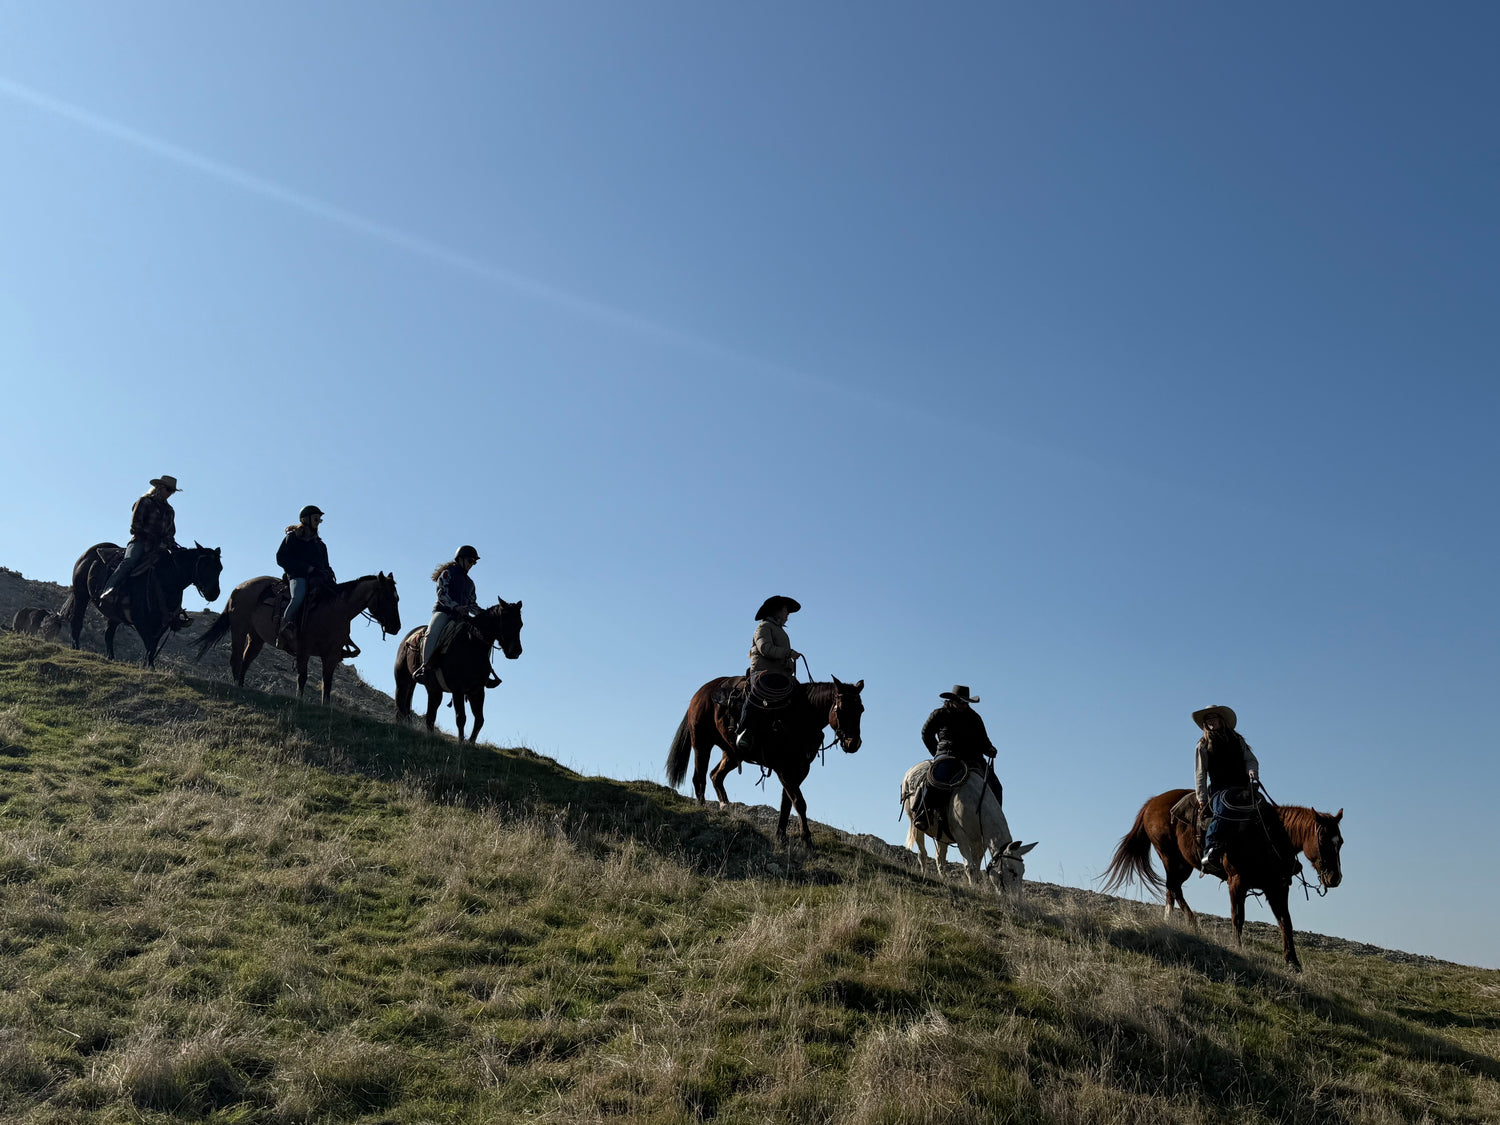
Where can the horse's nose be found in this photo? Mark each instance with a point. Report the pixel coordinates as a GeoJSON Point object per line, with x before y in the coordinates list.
{"type": "Point", "coordinates": [851, 746]}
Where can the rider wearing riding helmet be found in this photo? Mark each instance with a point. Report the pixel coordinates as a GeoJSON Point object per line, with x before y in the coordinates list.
{"type": "Point", "coordinates": [1223, 763]}
{"type": "Point", "coordinates": [457, 600]}
{"type": "Point", "coordinates": [303, 558]}
{"type": "Point", "coordinates": [771, 653]}
{"type": "Point", "coordinates": [153, 527]}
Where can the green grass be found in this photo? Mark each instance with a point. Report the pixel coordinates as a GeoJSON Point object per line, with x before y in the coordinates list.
{"type": "Point", "coordinates": [219, 905]}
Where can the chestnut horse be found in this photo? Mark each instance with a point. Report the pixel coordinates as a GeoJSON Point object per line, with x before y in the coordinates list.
{"type": "Point", "coordinates": [147, 602]}
{"type": "Point", "coordinates": [1262, 856]}
{"type": "Point", "coordinates": [252, 617]}
{"type": "Point", "coordinates": [463, 668]}
{"type": "Point", "coordinates": [787, 747]}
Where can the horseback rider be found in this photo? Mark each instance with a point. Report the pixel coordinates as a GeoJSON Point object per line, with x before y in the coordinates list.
{"type": "Point", "coordinates": [956, 729]}
{"type": "Point", "coordinates": [771, 655]}
{"type": "Point", "coordinates": [303, 558]}
{"type": "Point", "coordinates": [153, 529]}
{"type": "Point", "coordinates": [1223, 763]}
{"type": "Point", "coordinates": [457, 600]}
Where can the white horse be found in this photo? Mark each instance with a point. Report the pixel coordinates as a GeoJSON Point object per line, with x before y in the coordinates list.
{"type": "Point", "coordinates": [978, 826]}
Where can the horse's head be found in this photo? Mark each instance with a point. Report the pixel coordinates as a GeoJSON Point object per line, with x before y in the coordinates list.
{"type": "Point", "coordinates": [501, 625]}
{"type": "Point", "coordinates": [385, 605]}
{"type": "Point", "coordinates": [1009, 867]}
{"type": "Point", "coordinates": [843, 715]}
{"type": "Point", "coordinates": [208, 564]}
{"type": "Point", "coordinates": [1323, 845]}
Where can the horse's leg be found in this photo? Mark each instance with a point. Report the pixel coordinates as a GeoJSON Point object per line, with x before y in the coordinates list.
{"type": "Point", "coordinates": [915, 839]}
{"type": "Point", "coordinates": [109, 639]}
{"type": "Point", "coordinates": [476, 704]}
{"type": "Point", "coordinates": [253, 645]}
{"type": "Point", "coordinates": [78, 609]}
{"type": "Point", "coordinates": [434, 701]}
{"type": "Point", "coordinates": [800, 801]}
{"type": "Point", "coordinates": [459, 717]}
{"type": "Point", "coordinates": [330, 666]}
{"type": "Point", "coordinates": [1276, 899]}
{"type": "Point", "coordinates": [303, 660]}
{"type": "Point", "coordinates": [786, 815]}
{"type": "Point", "coordinates": [721, 771]}
{"type": "Point", "coordinates": [1237, 893]}
{"type": "Point", "coordinates": [1177, 871]}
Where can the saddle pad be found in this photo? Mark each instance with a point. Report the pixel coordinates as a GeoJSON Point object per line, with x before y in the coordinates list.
{"type": "Point", "coordinates": [1186, 810]}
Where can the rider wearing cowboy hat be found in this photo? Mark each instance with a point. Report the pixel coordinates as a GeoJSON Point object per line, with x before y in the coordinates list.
{"type": "Point", "coordinates": [1223, 762]}
{"type": "Point", "coordinates": [457, 600]}
{"type": "Point", "coordinates": [771, 651]}
{"type": "Point", "coordinates": [303, 558]}
{"type": "Point", "coordinates": [153, 527]}
{"type": "Point", "coordinates": [956, 729]}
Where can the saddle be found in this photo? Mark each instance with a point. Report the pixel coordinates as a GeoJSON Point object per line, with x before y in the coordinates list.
{"type": "Point", "coordinates": [434, 674]}
{"type": "Point", "coordinates": [113, 556]}
{"type": "Point", "coordinates": [934, 799]}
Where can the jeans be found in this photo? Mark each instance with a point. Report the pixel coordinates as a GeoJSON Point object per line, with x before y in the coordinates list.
{"type": "Point", "coordinates": [436, 629]}
{"type": "Point", "coordinates": [299, 595]}
{"type": "Point", "coordinates": [1214, 838]}
{"type": "Point", "coordinates": [133, 551]}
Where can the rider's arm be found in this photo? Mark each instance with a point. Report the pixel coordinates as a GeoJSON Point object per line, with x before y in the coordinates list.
{"type": "Point", "coordinates": [929, 731]}
{"type": "Point", "coordinates": [1251, 765]}
{"type": "Point", "coordinates": [445, 597]}
{"type": "Point", "coordinates": [985, 745]}
{"type": "Point", "coordinates": [765, 643]}
{"type": "Point", "coordinates": [1200, 778]}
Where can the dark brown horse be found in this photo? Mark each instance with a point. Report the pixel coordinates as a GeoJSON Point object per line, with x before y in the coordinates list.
{"type": "Point", "coordinates": [147, 602]}
{"type": "Point", "coordinates": [37, 622]}
{"type": "Point", "coordinates": [1262, 856]}
{"type": "Point", "coordinates": [252, 618]}
{"type": "Point", "coordinates": [463, 669]}
{"type": "Point", "coordinates": [787, 749]}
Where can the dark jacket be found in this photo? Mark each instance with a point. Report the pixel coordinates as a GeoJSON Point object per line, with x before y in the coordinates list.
{"type": "Point", "coordinates": [958, 731]}
{"type": "Point", "coordinates": [455, 591]}
{"type": "Point", "coordinates": [153, 522]}
{"type": "Point", "coordinates": [304, 558]}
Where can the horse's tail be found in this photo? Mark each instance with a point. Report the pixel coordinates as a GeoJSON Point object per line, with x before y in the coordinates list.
{"type": "Point", "coordinates": [1133, 859]}
{"type": "Point", "coordinates": [216, 633]}
{"type": "Point", "coordinates": [681, 751]}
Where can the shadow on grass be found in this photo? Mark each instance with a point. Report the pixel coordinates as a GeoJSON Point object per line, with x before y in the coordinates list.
{"type": "Point", "coordinates": [525, 783]}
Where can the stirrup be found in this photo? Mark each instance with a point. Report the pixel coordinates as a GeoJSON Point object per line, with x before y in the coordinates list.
{"type": "Point", "coordinates": [349, 650]}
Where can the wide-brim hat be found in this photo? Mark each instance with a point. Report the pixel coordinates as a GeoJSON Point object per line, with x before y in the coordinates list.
{"type": "Point", "coordinates": [165, 481]}
{"type": "Point", "coordinates": [1225, 713]}
{"type": "Point", "coordinates": [775, 602]}
{"type": "Point", "coordinates": [467, 552]}
{"type": "Point", "coordinates": [960, 691]}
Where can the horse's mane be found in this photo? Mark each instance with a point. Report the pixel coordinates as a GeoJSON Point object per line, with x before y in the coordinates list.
{"type": "Point", "coordinates": [820, 693]}
{"type": "Point", "coordinates": [348, 587]}
{"type": "Point", "coordinates": [1300, 821]}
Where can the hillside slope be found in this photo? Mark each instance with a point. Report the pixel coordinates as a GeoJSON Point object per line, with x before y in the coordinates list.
{"type": "Point", "coordinates": [217, 904]}
{"type": "Point", "coordinates": [273, 670]}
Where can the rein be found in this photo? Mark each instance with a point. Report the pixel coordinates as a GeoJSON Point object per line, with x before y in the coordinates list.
{"type": "Point", "coordinates": [1301, 875]}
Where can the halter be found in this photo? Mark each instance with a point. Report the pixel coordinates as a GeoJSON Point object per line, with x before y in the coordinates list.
{"type": "Point", "coordinates": [1299, 873]}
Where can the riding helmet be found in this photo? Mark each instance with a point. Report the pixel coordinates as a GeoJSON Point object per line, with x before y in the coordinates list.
{"type": "Point", "coordinates": [309, 511]}
{"type": "Point", "coordinates": [467, 552]}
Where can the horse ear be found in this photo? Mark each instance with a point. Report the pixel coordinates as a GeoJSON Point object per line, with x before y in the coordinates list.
{"type": "Point", "coordinates": [197, 544]}
{"type": "Point", "coordinates": [518, 605]}
{"type": "Point", "coordinates": [1338, 816]}
{"type": "Point", "coordinates": [838, 681]}
{"type": "Point", "coordinates": [860, 686]}
{"type": "Point", "coordinates": [1023, 850]}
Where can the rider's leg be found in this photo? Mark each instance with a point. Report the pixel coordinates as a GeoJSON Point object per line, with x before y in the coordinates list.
{"type": "Point", "coordinates": [299, 595]}
{"type": "Point", "coordinates": [745, 738]}
{"type": "Point", "coordinates": [1213, 836]}
{"type": "Point", "coordinates": [133, 551]}
{"type": "Point", "coordinates": [435, 629]}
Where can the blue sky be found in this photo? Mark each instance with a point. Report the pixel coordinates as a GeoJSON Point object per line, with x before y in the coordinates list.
{"type": "Point", "coordinates": [1112, 362]}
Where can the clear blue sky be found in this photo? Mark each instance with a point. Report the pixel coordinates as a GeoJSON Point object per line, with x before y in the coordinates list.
{"type": "Point", "coordinates": [1113, 362]}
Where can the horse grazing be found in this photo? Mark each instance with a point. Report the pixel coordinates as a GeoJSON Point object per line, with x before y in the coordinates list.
{"type": "Point", "coordinates": [1262, 856]}
{"type": "Point", "coordinates": [463, 668]}
{"type": "Point", "coordinates": [786, 748]}
{"type": "Point", "coordinates": [976, 824]}
{"type": "Point", "coordinates": [37, 622]}
{"type": "Point", "coordinates": [147, 602]}
{"type": "Point", "coordinates": [252, 617]}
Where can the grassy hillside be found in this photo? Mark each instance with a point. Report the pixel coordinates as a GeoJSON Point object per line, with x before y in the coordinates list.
{"type": "Point", "coordinates": [216, 904]}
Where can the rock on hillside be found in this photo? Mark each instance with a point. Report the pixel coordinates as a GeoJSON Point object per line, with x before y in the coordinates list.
{"type": "Point", "coordinates": [273, 670]}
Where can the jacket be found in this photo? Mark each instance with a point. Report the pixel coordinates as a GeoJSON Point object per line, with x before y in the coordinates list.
{"type": "Point", "coordinates": [771, 651]}
{"type": "Point", "coordinates": [1220, 764]}
{"type": "Point", "coordinates": [957, 730]}
{"type": "Point", "coordinates": [304, 558]}
{"type": "Point", "coordinates": [153, 523]}
{"type": "Point", "coordinates": [455, 591]}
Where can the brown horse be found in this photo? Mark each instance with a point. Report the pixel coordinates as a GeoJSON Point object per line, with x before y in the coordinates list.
{"type": "Point", "coordinates": [787, 749]}
{"type": "Point", "coordinates": [1261, 857]}
{"type": "Point", "coordinates": [37, 622]}
{"type": "Point", "coordinates": [463, 669]}
{"type": "Point", "coordinates": [252, 617]}
{"type": "Point", "coordinates": [148, 602]}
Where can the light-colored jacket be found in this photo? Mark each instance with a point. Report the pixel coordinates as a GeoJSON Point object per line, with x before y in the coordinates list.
{"type": "Point", "coordinates": [771, 651]}
{"type": "Point", "coordinates": [1200, 769]}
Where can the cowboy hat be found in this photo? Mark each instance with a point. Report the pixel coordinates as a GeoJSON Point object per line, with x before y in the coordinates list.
{"type": "Point", "coordinates": [960, 691]}
{"type": "Point", "coordinates": [775, 602]}
{"type": "Point", "coordinates": [1225, 713]}
{"type": "Point", "coordinates": [165, 481]}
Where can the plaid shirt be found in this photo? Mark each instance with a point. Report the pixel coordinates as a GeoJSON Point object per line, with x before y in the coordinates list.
{"type": "Point", "coordinates": [153, 522]}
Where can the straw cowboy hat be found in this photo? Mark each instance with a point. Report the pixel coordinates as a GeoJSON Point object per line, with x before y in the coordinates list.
{"type": "Point", "coordinates": [165, 481]}
{"type": "Point", "coordinates": [1225, 713]}
{"type": "Point", "coordinates": [775, 602]}
{"type": "Point", "coordinates": [960, 691]}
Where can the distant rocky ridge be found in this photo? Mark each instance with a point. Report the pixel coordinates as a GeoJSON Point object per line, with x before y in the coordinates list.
{"type": "Point", "coordinates": [273, 671]}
